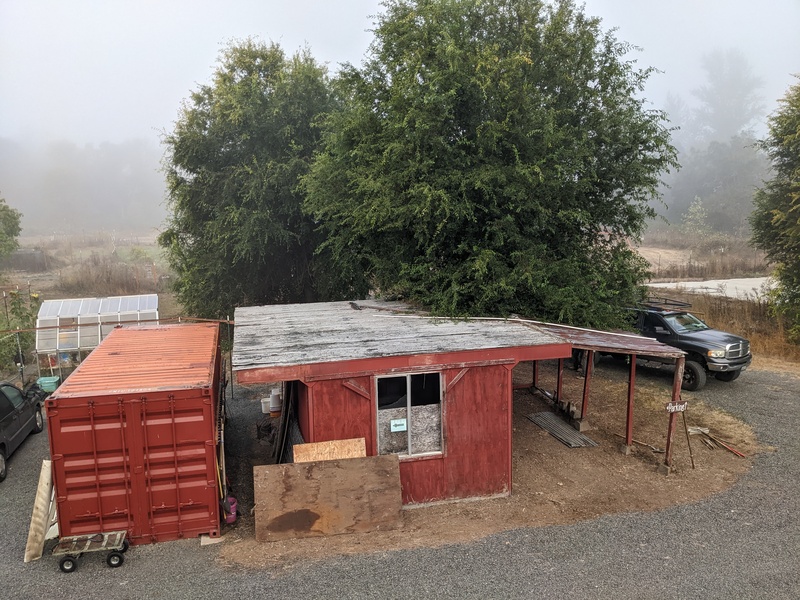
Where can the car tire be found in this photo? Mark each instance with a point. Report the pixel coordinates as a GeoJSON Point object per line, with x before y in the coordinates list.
{"type": "Point", "coordinates": [3, 466]}
{"type": "Point", "coordinates": [38, 420]}
{"type": "Point", "coordinates": [694, 376]}
{"type": "Point", "coordinates": [728, 375]}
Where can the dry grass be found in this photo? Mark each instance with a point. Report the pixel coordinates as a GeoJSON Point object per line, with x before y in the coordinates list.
{"type": "Point", "coordinates": [713, 256]}
{"type": "Point", "coordinates": [100, 275]}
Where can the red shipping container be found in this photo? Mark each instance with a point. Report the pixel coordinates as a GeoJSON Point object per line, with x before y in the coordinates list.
{"type": "Point", "coordinates": [134, 435]}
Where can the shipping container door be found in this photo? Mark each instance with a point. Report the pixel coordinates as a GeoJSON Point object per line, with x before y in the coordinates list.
{"type": "Point", "coordinates": [177, 486]}
{"type": "Point", "coordinates": [91, 467]}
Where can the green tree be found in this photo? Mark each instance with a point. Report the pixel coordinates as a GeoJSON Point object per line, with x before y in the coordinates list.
{"type": "Point", "coordinates": [776, 218]}
{"type": "Point", "coordinates": [721, 161]}
{"type": "Point", "coordinates": [730, 101]}
{"type": "Point", "coordinates": [9, 228]}
{"type": "Point", "coordinates": [492, 157]}
{"type": "Point", "coordinates": [236, 234]}
{"type": "Point", "coordinates": [18, 312]}
{"type": "Point", "coordinates": [695, 219]}
{"type": "Point", "coordinates": [725, 176]}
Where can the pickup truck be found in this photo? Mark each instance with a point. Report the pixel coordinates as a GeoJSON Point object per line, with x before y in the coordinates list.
{"type": "Point", "coordinates": [709, 351]}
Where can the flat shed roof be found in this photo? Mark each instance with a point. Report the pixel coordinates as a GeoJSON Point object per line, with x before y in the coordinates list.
{"type": "Point", "coordinates": [291, 335]}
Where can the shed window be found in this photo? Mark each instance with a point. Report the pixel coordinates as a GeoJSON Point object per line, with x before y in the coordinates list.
{"type": "Point", "coordinates": [410, 414]}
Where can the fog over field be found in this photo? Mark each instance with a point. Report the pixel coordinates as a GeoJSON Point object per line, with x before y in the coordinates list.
{"type": "Point", "coordinates": [90, 86]}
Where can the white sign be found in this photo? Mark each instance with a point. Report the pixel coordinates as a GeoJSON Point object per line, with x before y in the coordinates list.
{"type": "Point", "coordinates": [673, 407]}
{"type": "Point", "coordinates": [398, 425]}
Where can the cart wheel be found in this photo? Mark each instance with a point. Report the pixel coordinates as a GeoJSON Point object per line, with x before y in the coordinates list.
{"type": "Point", "coordinates": [68, 564]}
{"type": "Point", "coordinates": [115, 559]}
{"type": "Point", "coordinates": [125, 545]}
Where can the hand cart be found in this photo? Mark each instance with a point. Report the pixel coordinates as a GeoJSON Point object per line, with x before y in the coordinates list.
{"type": "Point", "coordinates": [72, 547]}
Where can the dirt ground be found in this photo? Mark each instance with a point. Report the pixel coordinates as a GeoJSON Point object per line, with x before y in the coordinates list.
{"type": "Point", "coordinates": [552, 484]}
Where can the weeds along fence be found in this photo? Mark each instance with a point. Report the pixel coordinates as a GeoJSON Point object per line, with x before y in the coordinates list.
{"type": "Point", "coordinates": [750, 317]}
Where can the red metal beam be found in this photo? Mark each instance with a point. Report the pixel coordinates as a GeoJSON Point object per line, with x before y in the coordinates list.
{"type": "Point", "coordinates": [587, 380]}
{"type": "Point", "coordinates": [631, 393]}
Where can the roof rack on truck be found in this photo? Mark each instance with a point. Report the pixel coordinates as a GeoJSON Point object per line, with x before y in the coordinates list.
{"type": "Point", "coordinates": [662, 303]}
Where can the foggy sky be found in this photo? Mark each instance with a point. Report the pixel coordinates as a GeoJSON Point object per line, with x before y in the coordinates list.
{"type": "Point", "coordinates": [95, 71]}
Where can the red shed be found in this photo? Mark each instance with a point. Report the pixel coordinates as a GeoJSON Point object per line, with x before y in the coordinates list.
{"type": "Point", "coordinates": [134, 435]}
{"type": "Point", "coordinates": [437, 392]}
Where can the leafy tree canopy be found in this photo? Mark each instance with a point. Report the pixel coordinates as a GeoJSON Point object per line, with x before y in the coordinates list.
{"type": "Point", "coordinates": [493, 157]}
{"type": "Point", "coordinates": [776, 218]}
{"type": "Point", "coordinates": [9, 228]}
{"type": "Point", "coordinates": [236, 234]}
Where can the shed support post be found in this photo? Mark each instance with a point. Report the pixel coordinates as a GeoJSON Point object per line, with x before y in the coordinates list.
{"type": "Point", "coordinates": [559, 381]}
{"type": "Point", "coordinates": [535, 376]}
{"type": "Point", "coordinates": [629, 418]}
{"type": "Point", "coordinates": [677, 381]}
{"type": "Point", "coordinates": [587, 380]}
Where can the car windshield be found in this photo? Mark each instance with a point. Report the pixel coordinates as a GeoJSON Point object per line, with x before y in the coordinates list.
{"type": "Point", "coordinates": [684, 322]}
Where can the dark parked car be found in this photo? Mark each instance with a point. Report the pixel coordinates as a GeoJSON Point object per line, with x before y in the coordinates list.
{"type": "Point", "coordinates": [20, 415]}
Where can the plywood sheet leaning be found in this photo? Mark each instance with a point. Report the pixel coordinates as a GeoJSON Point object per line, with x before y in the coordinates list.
{"type": "Point", "coordinates": [42, 514]}
{"type": "Point", "coordinates": [330, 497]}
{"type": "Point", "coordinates": [332, 450]}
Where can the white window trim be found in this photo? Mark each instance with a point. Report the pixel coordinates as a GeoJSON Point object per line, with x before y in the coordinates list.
{"type": "Point", "coordinates": [409, 454]}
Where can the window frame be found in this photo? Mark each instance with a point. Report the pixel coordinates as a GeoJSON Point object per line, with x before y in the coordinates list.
{"type": "Point", "coordinates": [409, 454]}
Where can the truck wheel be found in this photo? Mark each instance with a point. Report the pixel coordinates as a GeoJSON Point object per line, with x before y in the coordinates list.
{"type": "Point", "coordinates": [728, 375]}
{"type": "Point", "coordinates": [38, 421]}
{"type": "Point", "coordinates": [694, 376]}
{"type": "Point", "coordinates": [3, 465]}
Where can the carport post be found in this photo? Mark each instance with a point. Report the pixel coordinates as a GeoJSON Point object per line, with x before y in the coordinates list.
{"type": "Point", "coordinates": [587, 380]}
{"type": "Point", "coordinates": [560, 379]}
{"type": "Point", "coordinates": [629, 417]}
{"type": "Point", "coordinates": [677, 380]}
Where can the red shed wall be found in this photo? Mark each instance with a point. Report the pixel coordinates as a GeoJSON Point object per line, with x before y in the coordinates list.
{"type": "Point", "coordinates": [341, 411]}
{"type": "Point", "coordinates": [476, 460]}
{"type": "Point", "coordinates": [478, 432]}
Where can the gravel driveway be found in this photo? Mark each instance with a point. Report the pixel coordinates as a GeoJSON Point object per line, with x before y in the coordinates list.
{"type": "Point", "coordinates": [743, 543]}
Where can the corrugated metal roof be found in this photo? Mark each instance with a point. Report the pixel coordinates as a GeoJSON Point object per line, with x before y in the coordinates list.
{"type": "Point", "coordinates": [137, 359]}
{"type": "Point", "coordinates": [608, 341]}
{"type": "Point", "coordinates": [327, 332]}
{"type": "Point", "coordinates": [78, 307]}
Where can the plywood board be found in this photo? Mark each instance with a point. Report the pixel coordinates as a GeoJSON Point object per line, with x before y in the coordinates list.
{"type": "Point", "coordinates": [332, 450]}
{"type": "Point", "coordinates": [330, 497]}
{"type": "Point", "coordinates": [40, 518]}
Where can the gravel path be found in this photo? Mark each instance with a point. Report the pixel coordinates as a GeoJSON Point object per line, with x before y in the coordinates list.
{"type": "Point", "coordinates": [741, 544]}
